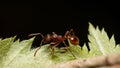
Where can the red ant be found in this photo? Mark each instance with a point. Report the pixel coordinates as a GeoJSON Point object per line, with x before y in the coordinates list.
{"type": "Point", "coordinates": [54, 40]}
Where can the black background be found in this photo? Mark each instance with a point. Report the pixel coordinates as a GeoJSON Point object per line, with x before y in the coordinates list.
{"type": "Point", "coordinates": [24, 17]}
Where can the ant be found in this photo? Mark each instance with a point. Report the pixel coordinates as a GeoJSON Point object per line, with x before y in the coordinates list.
{"type": "Point", "coordinates": [54, 40]}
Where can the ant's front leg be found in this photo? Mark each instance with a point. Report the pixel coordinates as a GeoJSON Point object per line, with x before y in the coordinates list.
{"type": "Point", "coordinates": [69, 49]}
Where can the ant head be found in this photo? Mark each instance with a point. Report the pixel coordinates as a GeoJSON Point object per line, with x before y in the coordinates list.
{"type": "Point", "coordinates": [71, 36]}
{"type": "Point", "coordinates": [73, 40]}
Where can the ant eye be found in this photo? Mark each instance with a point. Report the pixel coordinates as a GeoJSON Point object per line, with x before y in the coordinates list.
{"type": "Point", "coordinates": [74, 40]}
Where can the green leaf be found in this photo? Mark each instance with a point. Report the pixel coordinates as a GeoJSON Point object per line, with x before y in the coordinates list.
{"type": "Point", "coordinates": [11, 50]}
{"type": "Point", "coordinates": [100, 44]}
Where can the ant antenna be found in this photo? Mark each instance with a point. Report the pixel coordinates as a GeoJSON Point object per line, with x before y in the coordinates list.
{"type": "Point", "coordinates": [66, 34]}
{"type": "Point", "coordinates": [72, 31]}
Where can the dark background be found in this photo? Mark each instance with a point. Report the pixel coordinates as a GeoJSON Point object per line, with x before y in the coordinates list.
{"type": "Point", "coordinates": [24, 17]}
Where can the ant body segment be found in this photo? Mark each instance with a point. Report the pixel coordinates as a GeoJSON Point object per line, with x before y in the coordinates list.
{"type": "Point", "coordinates": [54, 40]}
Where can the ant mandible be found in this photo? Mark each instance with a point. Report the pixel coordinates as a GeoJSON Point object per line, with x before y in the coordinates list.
{"type": "Point", "coordinates": [54, 40]}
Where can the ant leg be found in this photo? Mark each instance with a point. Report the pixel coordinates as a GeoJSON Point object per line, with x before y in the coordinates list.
{"type": "Point", "coordinates": [52, 49]}
{"type": "Point", "coordinates": [52, 46]}
{"type": "Point", "coordinates": [38, 48]}
{"type": "Point", "coordinates": [34, 34]}
{"type": "Point", "coordinates": [69, 49]}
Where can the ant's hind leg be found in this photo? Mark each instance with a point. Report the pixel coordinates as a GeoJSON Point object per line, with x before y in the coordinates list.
{"type": "Point", "coordinates": [35, 34]}
{"type": "Point", "coordinates": [38, 48]}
